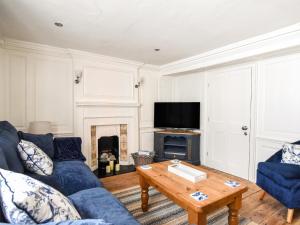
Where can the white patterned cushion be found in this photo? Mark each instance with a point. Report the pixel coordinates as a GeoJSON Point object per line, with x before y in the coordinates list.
{"type": "Point", "coordinates": [26, 200]}
{"type": "Point", "coordinates": [291, 154]}
{"type": "Point", "coordinates": [34, 159]}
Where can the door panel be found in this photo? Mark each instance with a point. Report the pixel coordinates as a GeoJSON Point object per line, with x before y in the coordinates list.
{"type": "Point", "coordinates": [229, 107]}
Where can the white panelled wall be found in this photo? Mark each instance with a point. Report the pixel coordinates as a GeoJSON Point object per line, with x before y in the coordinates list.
{"type": "Point", "coordinates": [275, 105]}
{"type": "Point", "coordinates": [37, 84]}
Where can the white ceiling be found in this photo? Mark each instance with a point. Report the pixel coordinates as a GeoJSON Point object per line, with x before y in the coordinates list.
{"type": "Point", "coordinates": [131, 29]}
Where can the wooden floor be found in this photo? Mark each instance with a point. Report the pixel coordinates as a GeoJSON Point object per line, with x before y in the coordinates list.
{"type": "Point", "coordinates": [267, 212]}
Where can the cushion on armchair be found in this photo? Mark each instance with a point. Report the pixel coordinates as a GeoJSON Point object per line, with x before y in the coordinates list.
{"type": "Point", "coordinates": [43, 141]}
{"type": "Point", "coordinates": [68, 148]}
{"type": "Point", "coordinates": [291, 154]}
{"type": "Point", "coordinates": [285, 175]}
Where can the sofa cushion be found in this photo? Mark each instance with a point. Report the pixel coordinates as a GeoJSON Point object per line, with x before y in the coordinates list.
{"type": "Point", "coordinates": [30, 201]}
{"type": "Point", "coordinates": [80, 222]}
{"type": "Point", "coordinates": [70, 177]}
{"type": "Point", "coordinates": [288, 197]}
{"type": "Point", "coordinates": [8, 142]}
{"type": "Point", "coordinates": [43, 141]}
{"type": "Point", "coordinates": [286, 175]}
{"type": "Point", "coordinates": [68, 148]}
{"type": "Point", "coordinates": [34, 159]}
{"type": "Point", "coordinates": [3, 163]}
{"type": "Point", "coordinates": [99, 203]}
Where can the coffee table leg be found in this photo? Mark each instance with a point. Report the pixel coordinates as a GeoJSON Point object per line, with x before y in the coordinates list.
{"type": "Point", "coordinates": [233, 218]}
{"type": "Point", "coordinates": [144, 193]}
{"type": "Point", "coordinates": [196, 218]}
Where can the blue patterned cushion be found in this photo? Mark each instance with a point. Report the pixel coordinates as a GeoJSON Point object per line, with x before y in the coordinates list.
{"type": "Point", "coordinates": [28, 201]}
{"type": "Point", "coordinates": [291, 154]}
{"type": "Point", "coordinates": [34, 159]}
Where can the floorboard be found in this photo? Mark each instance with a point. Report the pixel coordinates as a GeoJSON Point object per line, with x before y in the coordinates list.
{"type": "Point", "coordinates": [266, 212]}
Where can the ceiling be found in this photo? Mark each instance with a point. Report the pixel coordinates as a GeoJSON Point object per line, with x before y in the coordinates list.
{"type": "Point", "coordinates": [132, 29]}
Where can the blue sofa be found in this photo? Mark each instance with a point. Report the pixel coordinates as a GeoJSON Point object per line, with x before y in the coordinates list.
{"type": "Point", "coordinates": [280, 180]}
{"type": "Point", "coordinates": [71, 176]}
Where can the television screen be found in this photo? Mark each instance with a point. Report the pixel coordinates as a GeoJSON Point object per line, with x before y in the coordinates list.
{"type": "Point", "coordinates": [177, 115]}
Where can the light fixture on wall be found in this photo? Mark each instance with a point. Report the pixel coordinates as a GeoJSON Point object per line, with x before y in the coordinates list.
{"type": "Point", "coordinates": [139, 83]}
{"type": "Point", "coordinates": [78, 76]}
{"type": "Point", "coordinates": [58, 24]}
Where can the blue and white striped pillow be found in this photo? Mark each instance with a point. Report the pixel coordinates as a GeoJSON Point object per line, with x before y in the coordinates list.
{"type": "Point", "coordinates": [34, 159]}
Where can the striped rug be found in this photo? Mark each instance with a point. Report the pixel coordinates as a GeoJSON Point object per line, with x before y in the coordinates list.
{"type": "Point", "coordinates": [163, 211]}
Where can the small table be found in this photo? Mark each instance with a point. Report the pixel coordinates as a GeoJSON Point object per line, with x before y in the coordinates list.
{"type": "Point", "coordinates": [179, 189]}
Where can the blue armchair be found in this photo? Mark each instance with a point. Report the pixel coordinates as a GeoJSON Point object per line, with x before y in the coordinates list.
{"type": "Point", "coordinates": [280, 180]}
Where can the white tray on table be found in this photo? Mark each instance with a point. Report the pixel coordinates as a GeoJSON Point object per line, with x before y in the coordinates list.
{"type": "Point", "coordinates": [187, 172]}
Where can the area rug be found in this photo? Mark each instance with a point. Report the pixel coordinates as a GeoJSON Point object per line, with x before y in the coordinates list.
{"type": "Point", "coordinates": [163, 211]}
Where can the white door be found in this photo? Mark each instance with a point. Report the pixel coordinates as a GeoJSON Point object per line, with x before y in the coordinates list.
{"type": "Point", "coordinates": [229, 110]}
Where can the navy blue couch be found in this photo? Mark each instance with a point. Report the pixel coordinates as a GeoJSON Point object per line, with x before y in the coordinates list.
{"type": "Point", "coordinates": [280, 180]}
{"type": "Point", "coordinates": [71, 176]}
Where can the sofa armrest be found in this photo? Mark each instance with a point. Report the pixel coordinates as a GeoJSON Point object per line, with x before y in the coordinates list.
{"type": "Point", "coordinates": [68, 148]}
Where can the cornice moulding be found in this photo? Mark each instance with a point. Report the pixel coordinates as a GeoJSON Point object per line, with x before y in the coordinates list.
{"type": "Point", "coordinates": [78, 54]}
{"type": "Point", "coordinates": [12, 44]}
{"type": "Point", "coordinates": [278, 40]}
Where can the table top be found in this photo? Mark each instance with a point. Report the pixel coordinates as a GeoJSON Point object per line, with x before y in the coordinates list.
{"type": "Point", "coordinates": [179, 189]}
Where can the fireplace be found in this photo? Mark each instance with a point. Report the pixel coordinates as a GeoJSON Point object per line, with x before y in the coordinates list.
{"type": "Point", "coordinates": [109, 149]}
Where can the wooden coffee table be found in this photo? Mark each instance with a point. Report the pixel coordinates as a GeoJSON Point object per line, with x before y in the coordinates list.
{"type": "Point", "coordinates": [179, 189]}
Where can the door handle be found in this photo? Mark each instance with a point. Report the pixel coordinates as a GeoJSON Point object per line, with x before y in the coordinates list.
{"type": "Point", "coordinates": [244, 128]}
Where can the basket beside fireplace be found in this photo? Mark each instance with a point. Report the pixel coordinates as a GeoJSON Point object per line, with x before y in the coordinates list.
{"type": "Point", "coordinates": [142, 158]}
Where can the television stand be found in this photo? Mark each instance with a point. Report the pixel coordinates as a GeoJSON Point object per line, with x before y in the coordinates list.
{"type": "Point", "coordinates": [178, 131]}
{"type": "Point", "coordinates": [177, 144]}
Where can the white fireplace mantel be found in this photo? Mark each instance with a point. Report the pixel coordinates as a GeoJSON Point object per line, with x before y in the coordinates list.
{"type": "Point", "coordinates": [100, 113]}
{"type": "Point", "coordinates": [89, 103]}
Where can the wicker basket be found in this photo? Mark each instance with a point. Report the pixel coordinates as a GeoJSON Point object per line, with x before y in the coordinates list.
{"type": "Point", "coordinates": [142, 159]}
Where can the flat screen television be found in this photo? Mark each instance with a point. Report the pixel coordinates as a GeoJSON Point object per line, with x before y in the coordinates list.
{"type": "Point", "coordinates": [184, 115]}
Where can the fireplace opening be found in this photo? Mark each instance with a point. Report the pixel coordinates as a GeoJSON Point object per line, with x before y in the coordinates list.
{"type": "Point", "coordinates": [108, 148]}
{"type": "Point", "coordinates": [108, 153]}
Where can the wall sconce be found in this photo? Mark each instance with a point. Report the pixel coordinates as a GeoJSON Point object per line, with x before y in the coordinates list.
{"type": "Point", "coordinates": [139, 83]}
{"type": "Point", "coordinates": [78, 75]}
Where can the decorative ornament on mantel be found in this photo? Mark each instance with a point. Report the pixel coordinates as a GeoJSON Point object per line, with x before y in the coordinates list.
{"type": "Point", "coordinates": [40, 127]}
